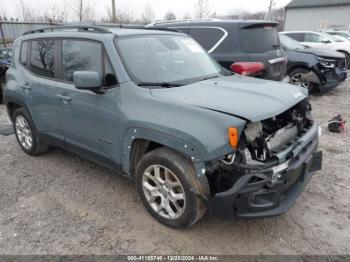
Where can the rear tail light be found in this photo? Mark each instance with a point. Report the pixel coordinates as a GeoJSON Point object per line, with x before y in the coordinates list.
{"type": "Point", "coordinates": [247, 68]}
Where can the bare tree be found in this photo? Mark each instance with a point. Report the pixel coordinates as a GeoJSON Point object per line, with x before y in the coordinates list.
{"type": "Point", "coordinates": [122, 16]}
{"type": "Point", "coordinates": [271, 5]}
{"type": "Point", "coordinates": [82, 10]}
{"type": "Point", "coordinates": [26, 12]}
{"type": "Point", "coordinates": [202, 9]}
{"type": "Point", "coordinates": [148, 14]}
{"type": "Point", "coordinates": [169, 16]}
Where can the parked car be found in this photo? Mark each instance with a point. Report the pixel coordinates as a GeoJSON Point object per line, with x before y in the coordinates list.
{"type": "Point", "coordinates": [345, 34]}
{"type": "Point", "coordinates": [245, 47]}
{"type": "Point", "coordinates": [156, 107]}
{"type": "Point", "coordinates": [312, 68]}
{"type": "Point", "coordinates": [321, 41]}
{"type": "Point", "coordinates": [5, 61]}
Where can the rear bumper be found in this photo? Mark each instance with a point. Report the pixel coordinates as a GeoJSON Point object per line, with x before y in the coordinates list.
{"type": "Point", "coordinates": [266, 198]}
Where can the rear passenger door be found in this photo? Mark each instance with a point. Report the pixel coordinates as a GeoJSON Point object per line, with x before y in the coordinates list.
{"type": "Point", "coordinates": [38, 84]}
{"type": "Point", "coordinates": [89, 121]}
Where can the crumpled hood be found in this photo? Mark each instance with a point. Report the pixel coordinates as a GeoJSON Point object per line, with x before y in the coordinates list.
{"type": "Point", "coordinates": [321, 53]}
{"type": "Point", "coordinates": [246, 97]}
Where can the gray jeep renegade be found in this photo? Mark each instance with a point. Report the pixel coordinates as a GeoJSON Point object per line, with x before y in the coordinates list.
{"type": "Point", "coordinates": [153, 105]}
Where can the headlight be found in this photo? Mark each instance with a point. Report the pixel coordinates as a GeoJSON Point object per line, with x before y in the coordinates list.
{"type": "Point", "coordinates": [327, 63]}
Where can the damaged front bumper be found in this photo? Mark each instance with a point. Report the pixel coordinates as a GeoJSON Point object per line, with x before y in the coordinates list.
{"type": "Point", "coordinates": [276, 189]}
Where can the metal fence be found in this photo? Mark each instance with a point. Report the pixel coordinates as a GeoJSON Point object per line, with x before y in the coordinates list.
{"type": "Point", "coordinates": [9, 30]}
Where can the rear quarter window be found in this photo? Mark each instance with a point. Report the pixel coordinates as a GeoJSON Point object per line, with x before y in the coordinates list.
{"type": "Point", "coordinates": [207, 37]}
{"type": "Point", "coordinates": [259, 39]}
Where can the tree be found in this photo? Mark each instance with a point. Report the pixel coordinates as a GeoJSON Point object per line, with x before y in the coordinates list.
{"type": "Point", "coordinates": [169, 16]}
{"type": "Point", "coordinates": [82, 10]}
{"type": "Point", "coordinates": [148, 14]}
{"type": "Point", "coordinates": [202, 9]}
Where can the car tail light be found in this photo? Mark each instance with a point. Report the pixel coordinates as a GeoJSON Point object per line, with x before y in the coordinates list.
{"type": "Point", "coordinates": [247, 68]}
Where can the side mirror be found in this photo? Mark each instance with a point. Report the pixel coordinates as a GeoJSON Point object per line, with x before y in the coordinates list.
{"type": "Point", "coordinates": [325, 41]}
{"type": "Point", "coordinates": [87, 80]}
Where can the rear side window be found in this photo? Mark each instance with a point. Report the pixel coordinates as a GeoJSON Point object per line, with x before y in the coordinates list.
{"type": "Point", "coordinates": [207, 37]}
{"type": "Point", "coordinates": [297, 36]}
{"type": "Point", "coordinates": [259, 39]}
{"type": "Point", "coordinates": [42, 57]}
{"type": "Point", "coordinates": [23, 54]}
{"type": "Point", "coordinates": [80, 55]}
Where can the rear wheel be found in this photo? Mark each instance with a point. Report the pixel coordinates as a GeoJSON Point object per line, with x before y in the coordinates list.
{"type": "Point", "coordinates": [164, 179]}
{"type": "Point", "coordinates": [296, 78]}
{"type": "Point", "coordinates": [26, 133]}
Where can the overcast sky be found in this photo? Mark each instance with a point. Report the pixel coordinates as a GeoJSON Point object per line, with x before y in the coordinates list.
{"type": "Point", "coordinates": [179, 7]}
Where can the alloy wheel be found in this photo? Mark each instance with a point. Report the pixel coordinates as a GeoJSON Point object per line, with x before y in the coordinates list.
{"type": "Point", "coordinates": [164, 192]}
{"type": "Point", "coordinates": [296, 80]}
{"type": "Point", "coordinates": [23, 132]}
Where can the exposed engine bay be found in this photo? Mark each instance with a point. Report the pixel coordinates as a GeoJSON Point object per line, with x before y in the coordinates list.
{"type": "Point", "coordinates": [259, 146]}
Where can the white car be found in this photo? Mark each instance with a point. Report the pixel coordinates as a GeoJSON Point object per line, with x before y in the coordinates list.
{"type": "Point", "coordinates": [345, 34]}
{"type": "Point", "coordinates": [320, 40]}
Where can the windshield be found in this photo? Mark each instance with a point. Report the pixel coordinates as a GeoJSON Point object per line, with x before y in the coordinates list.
{"type": "Point", "coordinates": [289, 43]}
{"type": "Point", "coordinates": [152, 59]}
{"type": "Point", "coordinates": [333, 38]}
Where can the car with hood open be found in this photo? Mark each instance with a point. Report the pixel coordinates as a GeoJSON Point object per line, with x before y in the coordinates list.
{"type": "Point", "coordinates": [154, 106]}
{"type": "Point", "coordinates": [312, 68]}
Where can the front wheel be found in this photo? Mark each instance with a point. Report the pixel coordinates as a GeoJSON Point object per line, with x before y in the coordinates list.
{"type": "Point", "coordinates": [164, 179]}
{"type": "Point", "coordinates": [296, 79]}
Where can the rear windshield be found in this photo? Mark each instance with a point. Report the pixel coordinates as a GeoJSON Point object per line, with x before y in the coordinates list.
{"type": "Point", "coordinates": [259, 39]}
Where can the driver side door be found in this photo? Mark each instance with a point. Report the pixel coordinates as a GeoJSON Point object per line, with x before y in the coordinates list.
{"type": "Point", "coordinates": [90, 122]}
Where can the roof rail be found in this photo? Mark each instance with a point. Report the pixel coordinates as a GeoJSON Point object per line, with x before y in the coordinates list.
{"type": "Point", "coordinates": [126, 26]}
{"type": "Point", "coordinates": [87, 28]}
{"type": "Point", "coordinates": [185, 20]}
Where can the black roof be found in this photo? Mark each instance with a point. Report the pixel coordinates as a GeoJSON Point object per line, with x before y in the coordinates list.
{"type": "Point", "coordinates": [316, 3]}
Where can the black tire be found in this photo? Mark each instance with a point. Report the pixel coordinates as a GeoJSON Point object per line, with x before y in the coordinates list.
{"type": "Point", "coordinates": [347, 59]}
{"type": "Point", "coordinates": [185, 172]}
{"type": "Point", "coordinates": [311, 86]}
{"type": "Point", "coordinates": [38, 147]}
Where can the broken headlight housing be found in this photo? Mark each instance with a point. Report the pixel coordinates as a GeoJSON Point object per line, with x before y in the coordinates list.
{"type": "Point", "coordinates": [327, 63]}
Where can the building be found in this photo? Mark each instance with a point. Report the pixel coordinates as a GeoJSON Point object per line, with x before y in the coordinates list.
{"type": "Point", "coordinates": [317, 14]}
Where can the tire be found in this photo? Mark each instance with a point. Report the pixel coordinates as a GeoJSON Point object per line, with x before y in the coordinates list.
{"type": "Point", "coordinates": [347, 59]}
{"type": "Point", "coordinates": [23, 124]}
{"type": "Point", "coordinates": [295, 74]}
{"type": "Point", "coordinates": [192, 208]}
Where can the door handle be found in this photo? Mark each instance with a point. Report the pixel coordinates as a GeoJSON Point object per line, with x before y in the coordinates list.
{"type": "Point", "coordinates": [65, 99]}
{"type": "Point", "coordinates": [26, 86]}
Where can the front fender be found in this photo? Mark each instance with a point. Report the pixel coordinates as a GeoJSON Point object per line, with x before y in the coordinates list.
{"type": "Point", "coordinates": [185, 144]}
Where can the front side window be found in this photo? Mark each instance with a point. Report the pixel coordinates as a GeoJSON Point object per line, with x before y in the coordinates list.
{"type": "Point", "coordinates": [314, 38]}
{"type": "Point", "coordinates": [42, 57]}
{"type": "Point", "coordinates": [79, 55]}
{"type": "Point", "coordinates": [165, 58]}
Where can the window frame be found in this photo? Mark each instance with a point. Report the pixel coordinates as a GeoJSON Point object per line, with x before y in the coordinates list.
{"type": "Point", "coordinates": [58, 58]}
{"type": "Point", "coordinates": [104, 55]}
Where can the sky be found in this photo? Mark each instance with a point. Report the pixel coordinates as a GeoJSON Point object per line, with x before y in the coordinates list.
{"type": "Point", "coordinates": [160, 7]}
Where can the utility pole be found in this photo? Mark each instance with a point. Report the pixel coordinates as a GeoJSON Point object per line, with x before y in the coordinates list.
{"type": "Point", "coordinates": [114, 15]}
{"type": "Point", "coordinates": [272, 3]}
{"type": "Point", "coordinates": [81, 11]}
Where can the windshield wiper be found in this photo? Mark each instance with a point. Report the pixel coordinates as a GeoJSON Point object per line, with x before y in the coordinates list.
{"type": "Point", "coordinates": [162, 84]}
{"type": "Point", "coordinates": [209, 77]}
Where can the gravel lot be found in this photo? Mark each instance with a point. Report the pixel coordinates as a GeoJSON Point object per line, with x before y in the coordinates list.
{"type": "Point", "coordinates": [59, 203]}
